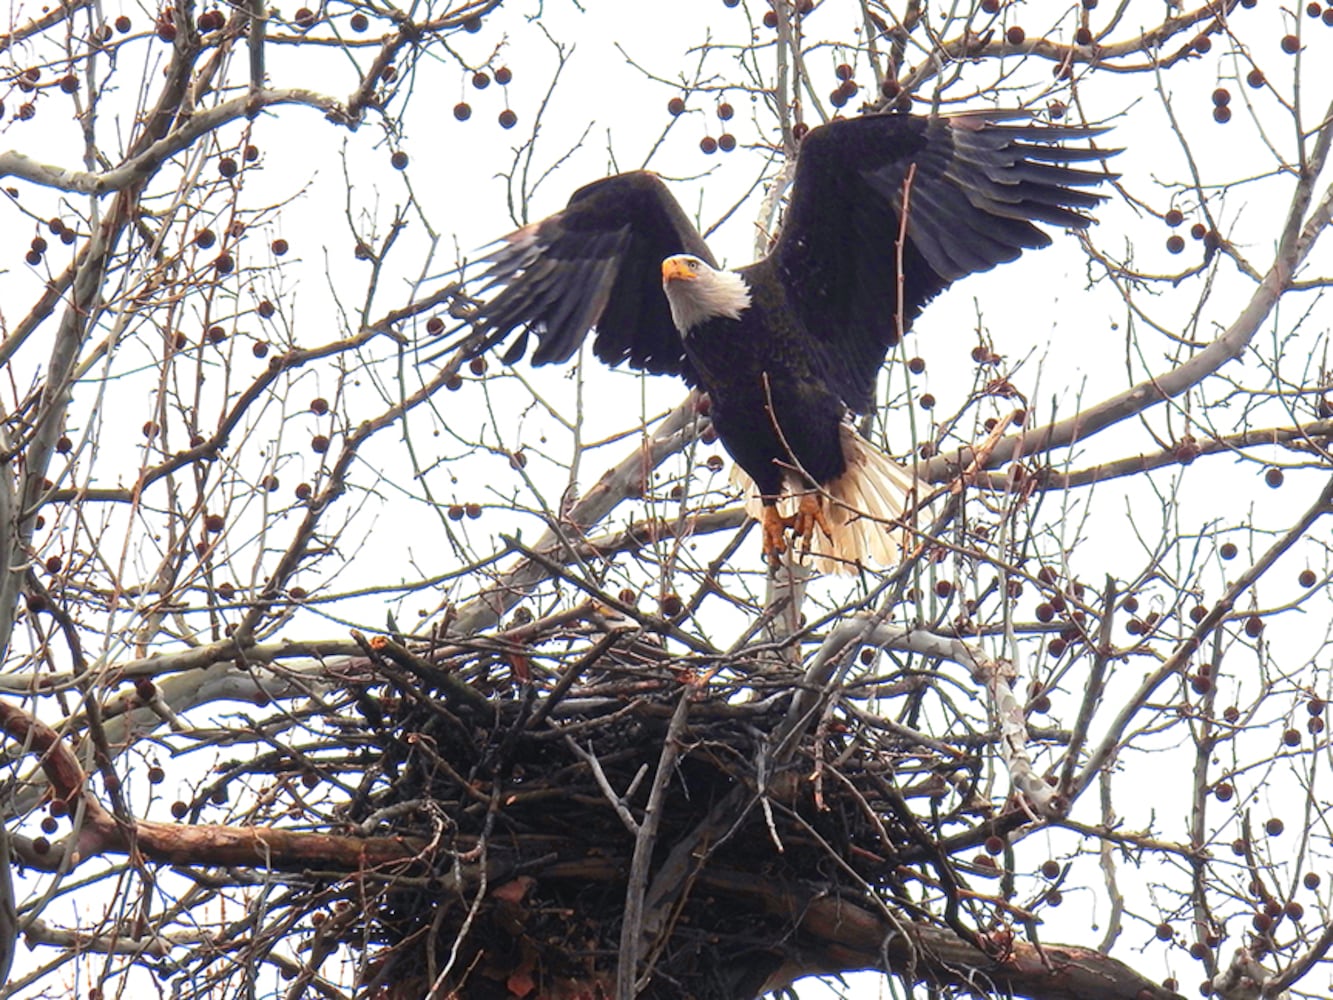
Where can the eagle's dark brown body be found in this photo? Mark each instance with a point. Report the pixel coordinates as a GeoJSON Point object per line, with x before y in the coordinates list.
{"type": "Point", "coordinates": [773, 404]}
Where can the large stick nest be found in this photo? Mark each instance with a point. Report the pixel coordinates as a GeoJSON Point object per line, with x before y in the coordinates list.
{"type": "Point", "coordinates": [530, 784]}
{"type": "Point", "coordinates": [570, 809]}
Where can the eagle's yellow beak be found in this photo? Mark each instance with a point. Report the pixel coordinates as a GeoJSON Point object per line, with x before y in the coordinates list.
{"type": "Point", "coordinates": [677, 269]}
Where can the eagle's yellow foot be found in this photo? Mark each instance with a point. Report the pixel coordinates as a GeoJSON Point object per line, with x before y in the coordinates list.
{"type": "Point", "coordinates": [809, 515]}
{"type": "Point", "coordinates": [775, 531]}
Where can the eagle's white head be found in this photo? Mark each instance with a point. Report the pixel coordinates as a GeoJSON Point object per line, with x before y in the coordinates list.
{"type": "Point", "coordinates": [698, 292]}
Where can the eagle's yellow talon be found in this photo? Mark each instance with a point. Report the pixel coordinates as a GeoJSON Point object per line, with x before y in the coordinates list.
{"type": "Point", "coordinates": [809, 515]}
{"type": "Point", "coordinates": [775, 530]}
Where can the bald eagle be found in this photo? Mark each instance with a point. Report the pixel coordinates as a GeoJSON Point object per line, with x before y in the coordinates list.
{"type": "Point", "coordinates": [885, 211]}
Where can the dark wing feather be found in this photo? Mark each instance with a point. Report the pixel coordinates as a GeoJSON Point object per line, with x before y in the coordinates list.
{"type": "Point", "coordinates": [598, 263]}
{"type": "Point", "coordinates": [977, 187]}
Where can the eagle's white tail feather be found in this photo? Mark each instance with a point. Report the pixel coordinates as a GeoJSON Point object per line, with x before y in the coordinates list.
{"type": "Point", "coordinates": [861, 506]}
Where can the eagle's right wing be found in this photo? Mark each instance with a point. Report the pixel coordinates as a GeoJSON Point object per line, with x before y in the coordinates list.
{"type": "Point", "coordinates": [596, 264]}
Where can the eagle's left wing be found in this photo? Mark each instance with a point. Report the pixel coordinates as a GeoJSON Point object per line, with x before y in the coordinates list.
{"type": "Point", "coordinates": [972, 188]}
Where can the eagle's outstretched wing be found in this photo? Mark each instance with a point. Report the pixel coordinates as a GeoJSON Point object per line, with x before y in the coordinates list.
{"type": "Point", "coordinates": [596, 264]}
{"type": "Point", "coordinates": [973, 186]}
